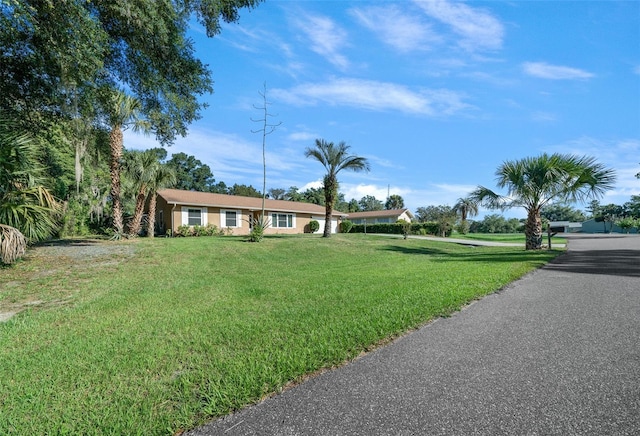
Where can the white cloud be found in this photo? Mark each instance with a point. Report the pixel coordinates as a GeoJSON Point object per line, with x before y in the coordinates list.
{"type": "Point", "coordinates": [543, 116]}
{"type": "Point", "coordinates": [402, 31]}
{"type": "Point", "coordinates": [302, 136]}
{"type": "Point", "coordinates": [544, 70]}
{"type": "Point", "coordinates": [327, 38]}
{"type": "Point", "coordinates": [373, 95]}
{"type": "Point", "coordinates": [230, 157]}
{"type": "Point", "coordinates": [478, 29]}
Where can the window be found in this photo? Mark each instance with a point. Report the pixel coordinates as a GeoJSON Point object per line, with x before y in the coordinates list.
{"type": "Point", "coordinates": [194, 216]}
{"type": "Point", "coordinates": [230, 218]}
{"type": "Point", "coordinates": [282, 220]}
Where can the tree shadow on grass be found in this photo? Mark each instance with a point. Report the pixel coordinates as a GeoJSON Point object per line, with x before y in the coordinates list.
{"type": "Point", "coordinates": [471, 254]}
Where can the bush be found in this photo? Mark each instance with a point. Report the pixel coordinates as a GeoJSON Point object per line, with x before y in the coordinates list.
{"type": "Point", "coordinates": [346, 226]}
{"type": "Point", "coordinates": [183, 230]}
{"type": "Point", "coordinates": [397, 228]}
{"type": "Point", "coordinates": [314, 226]}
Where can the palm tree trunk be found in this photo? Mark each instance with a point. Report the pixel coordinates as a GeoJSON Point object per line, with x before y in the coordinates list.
{"type": "Point", "coordinates": [329, 197]}
{"type": "Point", "coordinates": [134, 229]}
{"type": "Point", "coordinates": [115, 143]}
{"type": "Point", "coordinates": [152, 215]}
{"type": "Point", "coordinates": [533, 230]}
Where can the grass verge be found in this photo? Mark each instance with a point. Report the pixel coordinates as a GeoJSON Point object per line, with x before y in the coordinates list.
{"type": "Point", "coordinates": [508, 237]}
{"type": "Point", "coordinates": [167, 334]}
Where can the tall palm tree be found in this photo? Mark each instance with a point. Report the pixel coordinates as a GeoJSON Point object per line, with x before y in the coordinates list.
{"type": "Point", "coordinates": [465, 207]}
{"type": "Point", "coordinates": [334, 159]}
{"type": "Point", "coordinates": [535, 181]}
{"type": "Point", "coordinates": [163, 177]}
{"type": "Point", "coordinates": [122, 112]}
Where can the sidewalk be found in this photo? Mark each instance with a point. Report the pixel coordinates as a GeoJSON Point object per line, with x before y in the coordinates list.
{"type": "Point", "coordinates": [555, 353]}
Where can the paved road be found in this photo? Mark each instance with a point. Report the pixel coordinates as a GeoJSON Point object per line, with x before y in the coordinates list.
{"type": "Point", "coordinates": [555, 353]}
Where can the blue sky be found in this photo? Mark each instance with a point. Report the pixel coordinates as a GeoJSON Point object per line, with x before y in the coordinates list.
{"type": "Point", "coordinates": [436, 94]}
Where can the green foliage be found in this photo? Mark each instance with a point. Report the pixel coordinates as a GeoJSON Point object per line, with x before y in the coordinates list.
{"type": "Point", "coordinates": [429, 228]}
{"type": "Point", "coordinates": [258, 226]}
{"type": "Point", "coordinates": [370, 203]}
{"type": "Point", "coordinates": [628, 223]}
{"type": "Point", "coordinates": [24, 203]}
{"type": "Point", "coordinates": [75, 219]}
{"type": "Point", "coordinates": [191, 173]}
{"type": "Point", "coordinates": [495, 223]}
{"type": "Point", "coordinates": [394, 201]}
{"type": "Point", "coordinates": [198, 230]}
{"type": "Point", "coordinates": [346, 226]}
{"type": "Point", "coordinates": [463, 227]}
{"type": "Point", "coordinates": [561, 212]}
{"type": "Point", "coordinates": [244, 191]}
{"type": "Point", "coordinates": [314, 226]}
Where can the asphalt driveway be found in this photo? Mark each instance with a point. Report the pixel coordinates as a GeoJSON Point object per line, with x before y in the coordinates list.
{"type": "Point", "coordinates": [555, 353]}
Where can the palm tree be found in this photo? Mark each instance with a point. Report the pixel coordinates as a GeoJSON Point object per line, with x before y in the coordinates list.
{"type": "Point", "coordinates": [25, 205]}
{"type": "Point", "coordinates": [140, 168]}
{"type": "Point", "coordinates": [334, 159]}
{"type": "Point", "coordinates": [465, 207]}
{"type": "Point", "coordinates": [535, 181]}
{"type": "Point", "coordinates": [122, 113]}
{"type": "Point", "coordinates": [163, 177]}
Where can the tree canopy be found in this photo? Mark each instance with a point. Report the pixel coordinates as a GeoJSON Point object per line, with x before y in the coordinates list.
{"type": "Point", "coordinates": [56, 53]}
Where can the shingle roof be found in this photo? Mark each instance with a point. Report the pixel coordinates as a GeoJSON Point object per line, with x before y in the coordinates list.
{"type": "Point", "coordinates": [196, 198]}
{"type": "Point", "coordinates": [380, 213]}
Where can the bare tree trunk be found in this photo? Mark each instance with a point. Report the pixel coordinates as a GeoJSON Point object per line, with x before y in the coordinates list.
{"type": "Point", "coordinates": [115, 142]}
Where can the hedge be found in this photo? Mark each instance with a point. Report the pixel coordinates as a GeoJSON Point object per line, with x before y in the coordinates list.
{"type": "Point", "coordinates": [396, 228]}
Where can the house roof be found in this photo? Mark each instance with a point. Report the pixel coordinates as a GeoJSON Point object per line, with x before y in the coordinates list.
{"type": "Point", "coordinates": [380, 213]}
{"type": "Point", "coordinates": [196, 198]}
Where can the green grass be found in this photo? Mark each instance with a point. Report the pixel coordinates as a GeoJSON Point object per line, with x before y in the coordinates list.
{"type": "Point", "coordinates": [184, 330]}
{"type": "Point", "coordinates": [506, 237]}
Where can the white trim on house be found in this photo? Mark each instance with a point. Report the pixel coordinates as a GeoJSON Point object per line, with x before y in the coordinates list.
{"type": "Point", "coordinates": [186, 210]}
{"type": "Point", "coordinates": [223, 218]}
{"type": "Point", "coordinates": [287, 218]}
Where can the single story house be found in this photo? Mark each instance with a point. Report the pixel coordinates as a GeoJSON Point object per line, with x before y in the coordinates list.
{"type": "Point", "coordinates": [380, 216]}
{"type": "Point", "coordinates": [593, 226]}
{"type": "Point", "coordinates": [177, 208]}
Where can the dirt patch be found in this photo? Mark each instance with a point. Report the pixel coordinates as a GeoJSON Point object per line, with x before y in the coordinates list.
{"type": "Point", "coordinates": [53, 272]}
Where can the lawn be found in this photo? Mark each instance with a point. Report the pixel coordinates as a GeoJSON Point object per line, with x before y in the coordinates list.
{"type": "Point", "coordinates": [508, 237]}
{"type": "Point", "coordinates": [158, 336]}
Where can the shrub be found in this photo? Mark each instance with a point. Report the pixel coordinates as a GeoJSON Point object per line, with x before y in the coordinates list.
{"type": "Point", "coordinates": [183, 230]}
{"type": "Point", "coordinates": [346, 226]}
{"type": "Point", "coordinates": [429, 228]}
{"type": "Point", "coordinates": [314, 226]}
{"type": "Point", "coordinates": [198, 230]}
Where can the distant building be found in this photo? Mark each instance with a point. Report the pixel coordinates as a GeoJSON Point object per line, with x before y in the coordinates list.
{"type": "Point", "coordinates": [387, 216]}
